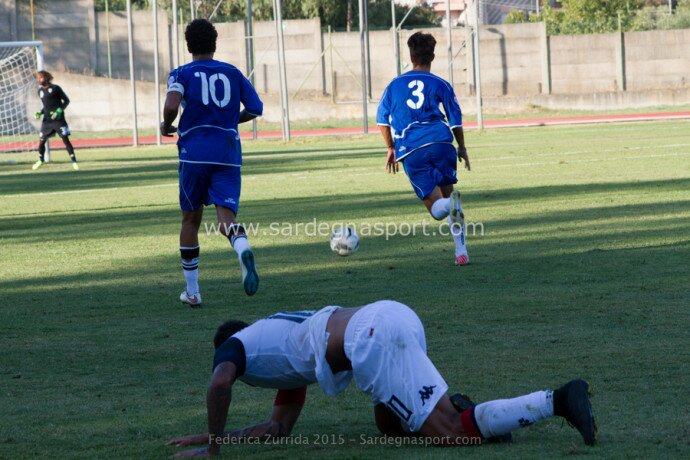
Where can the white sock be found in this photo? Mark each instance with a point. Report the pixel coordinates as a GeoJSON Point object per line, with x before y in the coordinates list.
{"type": "Point", "coordinates": [241, 244]}
{"type": "Point", "coordinates": [458, 235]}
{"type": "Point", "coordinates": [440, 208]}
{"type": "Point", "coordinates": [495, 418]}
{"type": "Point", "coordinates": [190, 267]}
{"type": "Point", "coordinates": [192, 278]}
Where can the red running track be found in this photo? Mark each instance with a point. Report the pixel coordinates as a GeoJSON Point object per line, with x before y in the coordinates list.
{"type": "Point", "coordinates": [517, 123]}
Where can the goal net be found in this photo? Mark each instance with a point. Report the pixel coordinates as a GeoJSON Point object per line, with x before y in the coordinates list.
{"type": "Point", "coordinates": [18, 96]}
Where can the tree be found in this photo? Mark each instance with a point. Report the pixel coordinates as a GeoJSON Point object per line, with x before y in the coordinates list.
{"type": "Point", "coordinates": [587, 16]}
{"type": "Point", "coordinates": [338, 14]}
{"type": "Point", "coordinates": [657, 17]}
{"type": "Point", "coordinates": [597, 16]}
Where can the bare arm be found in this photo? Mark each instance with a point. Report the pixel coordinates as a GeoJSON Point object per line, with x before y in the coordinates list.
{"type": "Point", "coordinates": [170, 109]}
{"type": "Point", "coordinates": [459, 135]}
{"type": "Point", "coordinates": [283, 419]}
{"type": "Point", "coordinates": [246, 116]}
{"type": "Point", "coordinates": [218, 400]}
{"type": "Point", "coordinates": [391, 165]}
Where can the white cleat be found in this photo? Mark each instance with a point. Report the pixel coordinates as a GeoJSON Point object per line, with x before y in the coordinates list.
{"type": "Point", "coordinates": [456, 213]}
{"type": "Point", "coordinates": [192, 301]}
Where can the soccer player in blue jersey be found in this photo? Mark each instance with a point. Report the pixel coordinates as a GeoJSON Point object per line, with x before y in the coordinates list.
{"type": "Point", "coordinates": [420, 136]}
{"type": "Point", "coordinates": [210, 153]}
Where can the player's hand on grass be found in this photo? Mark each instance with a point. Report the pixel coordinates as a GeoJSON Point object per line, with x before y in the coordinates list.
{"type": "Point", "coordinates": [462, 157]}
{"type": "Point", "coordinates": [392, 165]}
{"type": "Point", "coordinates": [192, 453]}
{"type": "Point", "coordinates": [167, 130]}
{"type": "Point", "coordinates": [191, 440]}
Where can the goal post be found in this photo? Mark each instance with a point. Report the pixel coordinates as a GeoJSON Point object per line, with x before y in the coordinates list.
{"type": "Point", "coordinates": [19, 62]}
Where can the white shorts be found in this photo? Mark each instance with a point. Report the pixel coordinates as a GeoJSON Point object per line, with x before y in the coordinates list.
{"type": "Point", "coordinates": [385, 343]}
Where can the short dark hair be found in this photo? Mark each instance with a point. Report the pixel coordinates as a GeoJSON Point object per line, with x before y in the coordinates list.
{"type": "Point", "coordinates": [421, 48]}
{"type": "Point", "coordinates": [201, 37]}
{"type": "Point", "coordinates": [227, 330]}
{"type": "Point", "coordinates": [45, 74]}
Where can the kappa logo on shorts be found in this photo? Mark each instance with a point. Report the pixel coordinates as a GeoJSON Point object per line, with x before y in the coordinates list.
{"type": "Point", "coordinates": [426, 393]}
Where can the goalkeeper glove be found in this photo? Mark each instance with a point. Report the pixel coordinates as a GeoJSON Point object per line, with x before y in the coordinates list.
{"type": "Point", "coordinates": [57, 113]}
{"type": "Point", "coordinates": [37, 115]}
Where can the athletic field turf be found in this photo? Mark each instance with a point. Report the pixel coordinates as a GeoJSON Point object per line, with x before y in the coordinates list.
{"type": "Point", "coordinates": [582, 271]}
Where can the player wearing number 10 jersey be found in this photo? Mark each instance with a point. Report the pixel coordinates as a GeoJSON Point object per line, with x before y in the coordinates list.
{"type": "Point", "coordinates": [420, 136]}
{"type": "Point", "coordinates": [210, 93]}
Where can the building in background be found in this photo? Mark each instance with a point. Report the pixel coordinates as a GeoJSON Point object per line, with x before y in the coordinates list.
{"type": "Point", "coordinates": [491, 11]}
{"type": "Point", "coordinates": [457, 8]}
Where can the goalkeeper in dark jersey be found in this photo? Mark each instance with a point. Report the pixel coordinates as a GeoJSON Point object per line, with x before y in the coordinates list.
{"type": "Point", "coordinates": [54, 102]}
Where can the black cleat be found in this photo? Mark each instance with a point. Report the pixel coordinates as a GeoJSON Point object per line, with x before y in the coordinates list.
{"type": "Point", "coordinates": [571, 401]}
{"type": "Point", "coordinates": [463, 402]}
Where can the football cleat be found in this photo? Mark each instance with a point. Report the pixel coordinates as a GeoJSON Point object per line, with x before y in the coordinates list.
{"type": "Point", "coordinates": [463, 402]}
{"type": "Point", "coordinates": [37, 165]}
{"type": "Point", "coordinates": [462, 259]}
{"type": "Point", "coordinates": [456, 213]}
{"type": "Point", "coordinates": [250, 278]}
{"type": "Point", "coordinates": [577, 409]}
{"type": "Point", "coordinates": [192, 301]}
{"type": "Point", "coordinates": [75, 166]}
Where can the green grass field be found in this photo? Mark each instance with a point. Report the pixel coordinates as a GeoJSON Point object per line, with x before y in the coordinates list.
{"type": "Point", "coordinates": [583, 270]}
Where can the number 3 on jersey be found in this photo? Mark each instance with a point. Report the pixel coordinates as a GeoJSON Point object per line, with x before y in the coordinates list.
{"type": "Point", "coordinates": [417, 92]}
{"type": "Point", "coordinates": [209, 89]}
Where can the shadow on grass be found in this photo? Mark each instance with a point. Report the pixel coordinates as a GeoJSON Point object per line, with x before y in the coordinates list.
{"type": "Point", "coordinates": [90, 223]}
{"type": "Point", "coordinates": [111, 350]}
{"type": "Point", "coordinates": [46, 180]}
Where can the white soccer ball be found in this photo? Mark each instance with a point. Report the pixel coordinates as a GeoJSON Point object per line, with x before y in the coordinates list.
{"type": "Point", "coordinates": [344, 240]}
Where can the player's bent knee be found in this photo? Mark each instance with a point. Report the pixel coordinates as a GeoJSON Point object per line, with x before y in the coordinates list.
{"type": "Point", "coordinates": [387, 422]}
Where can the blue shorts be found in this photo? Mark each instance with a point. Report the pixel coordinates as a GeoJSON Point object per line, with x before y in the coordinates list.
{"type": "Point", "coordinates": [204, 184]}
{"type": "Point", "coordinates": [431, 166]}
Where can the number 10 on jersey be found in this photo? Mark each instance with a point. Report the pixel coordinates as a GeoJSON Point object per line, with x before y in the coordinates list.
{"type": "Point", "coordinates": [209, 88]}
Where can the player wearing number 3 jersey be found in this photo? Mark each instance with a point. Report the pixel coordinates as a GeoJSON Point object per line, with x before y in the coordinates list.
{"type": "Point", "coordinates": [210, 93]}
{"type": "Point", "coordinates": [420, 135]}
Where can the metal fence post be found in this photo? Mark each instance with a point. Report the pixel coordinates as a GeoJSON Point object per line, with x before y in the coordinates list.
{"type": "Point", "coordinates": [450, 44]}
{"type": "Point", "coordinates": [545, 61]}
{"type": "Point", "coordinates": [130, 43]}
{"type": "Point", "coordinates": [363, 66]}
